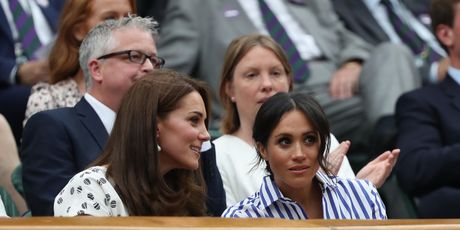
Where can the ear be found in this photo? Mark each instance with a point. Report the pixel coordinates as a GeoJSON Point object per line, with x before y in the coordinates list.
{"type": "Point", "coordinates": [229, 90]}
{"type": "Point", "coordinates": [94, 67]}
{"type": "Point", "coordinates": [262, 151]}
{"type": "Point", "coordinates": [445, 35]}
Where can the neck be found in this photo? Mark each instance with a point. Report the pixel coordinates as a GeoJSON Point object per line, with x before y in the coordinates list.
{"type": "Point", "coordinates": [310, 198]}
{"type": "Point", "coordinates": [79, 78]}
{"type": "Point", "coordinates": [111, 103]}
{"type": "Point", "coordinates": [245, 133]}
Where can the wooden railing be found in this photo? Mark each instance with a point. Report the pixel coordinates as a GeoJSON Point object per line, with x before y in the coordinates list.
{"type": "Point", "coordinates": [38, 223]}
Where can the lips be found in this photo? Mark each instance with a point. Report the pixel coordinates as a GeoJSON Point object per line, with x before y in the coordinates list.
{"type": "Point", "coordinates": [196, 149]}
{"type": "Point", "coordinates": [299, 168]}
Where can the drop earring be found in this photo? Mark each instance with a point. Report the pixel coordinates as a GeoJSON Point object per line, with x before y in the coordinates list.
{"type": "Point", "coordinates": [158, 147]}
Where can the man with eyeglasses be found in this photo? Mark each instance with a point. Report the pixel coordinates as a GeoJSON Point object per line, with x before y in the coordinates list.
{"type": "Point", "coordinates": [59, 143]}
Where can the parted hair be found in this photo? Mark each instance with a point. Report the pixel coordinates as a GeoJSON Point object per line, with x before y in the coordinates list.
{"type": "Point", "coordinates": [100, 39]}
{"type": "Point", "coordinates": [131, 153]}
{"type": "Point", "coordinates": [270, 113]}
{"type": "Point", "coordinates": [63, 57]}
{"type": "Point", "coordinates": [236, 50]}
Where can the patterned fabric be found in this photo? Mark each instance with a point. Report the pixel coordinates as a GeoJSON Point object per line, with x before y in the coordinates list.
{"type": "Point", "coordinates": [26, 29]}
{"type": "Point", "coordinates": [89, 192]}
{"type": "Point", "coordinates": [278, 33]}
{"type": "Point", "coordinates": [409, 36]}
{"type": "Point", "coordinates": [45, 96]}
{"type": "Point", "coordinates": [342, 199]}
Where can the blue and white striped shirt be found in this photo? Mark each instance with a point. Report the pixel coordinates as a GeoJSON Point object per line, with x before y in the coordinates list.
{"type": "Point", "coordinates": [342, 199]}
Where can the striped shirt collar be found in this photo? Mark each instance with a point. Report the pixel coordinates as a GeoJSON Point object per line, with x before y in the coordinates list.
{"type": "Point", "coordinates": [269, 192]}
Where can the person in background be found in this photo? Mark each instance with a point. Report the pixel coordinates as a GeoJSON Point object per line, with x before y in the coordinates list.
{"type": "Point", "coordinates": [428, 128]}
{"type": "Point", "coordinates": [59, 143]}
{"type": "Point", "coordinates": [355, 84]}
{"type": "Point", "coordinates": [66, 83]}
{"type": "Point", "coordinates": [150, 165]}
{"type": "Point", "coordinates": [256, 68]}
{"type": "Point", "coordinates": [381, 21]}
{"type": "Point", "coordinates": [9, 160]}
{"type": "Point", "coordinates": [27, 29]}
{"type": "Point", "coordinates": [291, 133]}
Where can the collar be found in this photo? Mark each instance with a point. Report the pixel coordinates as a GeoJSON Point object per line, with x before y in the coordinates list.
{"type": "Point", "coordinates": [106, 115]}
{"type": "Point", "coordinates": [270, 193]}
{"type": "Point", "coordinates": [371, 4]}
{"type": "Point", "coordinates": [454, 73]}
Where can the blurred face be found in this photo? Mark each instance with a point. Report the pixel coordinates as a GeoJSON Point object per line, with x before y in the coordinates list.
{"type": "Point", "coordinates": [258, 76]}
{"type": "Point", "coordinates": [103, 10]}
{"type": "Point", "coordinates": [292, 152]}
{"type": "Point", "coordinates": [182, 133]}
{"type": "Point", "coordinates": [114, 75]}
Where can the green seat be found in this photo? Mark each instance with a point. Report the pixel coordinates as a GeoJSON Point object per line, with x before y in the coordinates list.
{"type": "Point", "coordinates": [16, 179]}
{"type": "Point", "coordinates": [10, 207]}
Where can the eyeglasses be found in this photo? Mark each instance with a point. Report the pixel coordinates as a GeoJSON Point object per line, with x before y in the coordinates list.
{"type": "Point", "coordinates": [137, 57]}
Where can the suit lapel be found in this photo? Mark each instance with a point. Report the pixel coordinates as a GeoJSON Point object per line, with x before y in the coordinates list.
{"type": "Point", "coordinates": [91, 122]}
{"type": "Point", "coordinates": [369, 23]}
{"type": "Point", "coordinates": [5, 26]}
{"type": "Point", "coordinates": [309, 22]}
{"type": "Point", "coordinates": [232, 12]}
{"type": "Point", "coordinates": [452, 90]}
{"type": "Point", "coordinates": [51, 16]}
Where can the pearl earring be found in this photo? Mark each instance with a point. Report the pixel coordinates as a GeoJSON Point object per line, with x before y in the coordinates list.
{"type": "Point", "coordinates": [158, 148]}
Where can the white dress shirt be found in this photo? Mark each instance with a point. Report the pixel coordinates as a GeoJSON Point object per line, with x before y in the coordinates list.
{"type": "Point", "coordinates": [381, 16]}
{"type": "Point", "coordinates": [106, 115]}
{"type": "Point", "coordinates": [454, 73]}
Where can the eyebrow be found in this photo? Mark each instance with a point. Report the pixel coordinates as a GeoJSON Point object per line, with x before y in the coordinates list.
{"type": "Point", "coordinates": [198, 113]}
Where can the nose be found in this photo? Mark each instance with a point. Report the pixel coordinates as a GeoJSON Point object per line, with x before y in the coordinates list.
{"type": "Point", "coordinates": [267, 84]}
{"type": "Point", "coordinates": [204, 135]}
{"type": "Point", "coordinates": [299, 153]}
{"type": "Point", "coordinates": [147, 66]}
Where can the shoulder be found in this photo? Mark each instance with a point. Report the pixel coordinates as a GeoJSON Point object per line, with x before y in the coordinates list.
{"type": "Point", "coordinates": [244, 209]}
{"type": "Point", "coordinates": [86, 193]}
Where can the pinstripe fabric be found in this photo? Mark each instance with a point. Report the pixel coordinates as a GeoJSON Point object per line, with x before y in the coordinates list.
{"type": "Point", "coordinates": [342, 199]}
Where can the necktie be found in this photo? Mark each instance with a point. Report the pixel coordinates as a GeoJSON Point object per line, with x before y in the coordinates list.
{"type": "Point", "coordinates": [300, 68]}
{"type": "Point", "coordinates": [409, 36]}
{"type": "Point", "coordinates": [27, 36]}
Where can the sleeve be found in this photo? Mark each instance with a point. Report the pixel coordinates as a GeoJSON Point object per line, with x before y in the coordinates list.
{"type": "Point", "coordinates": [425, 162]}
{"type": "Point", "coordinates": [83, 195]}
{"type": "Point", "coordinates": [180, 35]}
{"type": "Point", "coordinates": [379, 209]}
{"type": "Point", "coordinates": [47, 161]}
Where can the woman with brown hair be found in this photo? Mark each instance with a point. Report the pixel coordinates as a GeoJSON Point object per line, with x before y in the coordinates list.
{"type": "Point", "coordinates": [67, 86]}
{"type": "Point", "coordinates": [150, 165]}
{"type": "Point", "coordinates": [256, 68]}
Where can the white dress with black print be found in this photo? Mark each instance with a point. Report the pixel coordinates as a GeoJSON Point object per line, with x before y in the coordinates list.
{"type": "Point", "coordinates": [89, 193]}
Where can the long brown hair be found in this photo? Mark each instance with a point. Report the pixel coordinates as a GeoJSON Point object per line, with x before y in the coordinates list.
{"type": "Point", "coordinates": [63, 57]}
{"type": "Point", "coordinates": [236, 50]}
{"type": "Point", "coordinates": [132, 155]}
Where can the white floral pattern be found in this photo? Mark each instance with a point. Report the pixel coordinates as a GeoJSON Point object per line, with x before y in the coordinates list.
{"type": "Point", "coordinates": [45, 96]}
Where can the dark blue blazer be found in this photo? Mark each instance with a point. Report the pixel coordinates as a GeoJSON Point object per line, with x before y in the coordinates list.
{"type": "Point", "coordinates": [215, 201]}
{"type": "Point", "coordinates": [7, 56]}
{"type": "Point", "coordinates": [428, 121]}
{"type": "Point", "coordinates": [56, 145]}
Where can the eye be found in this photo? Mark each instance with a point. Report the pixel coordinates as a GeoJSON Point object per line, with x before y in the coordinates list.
{"type": "Point", "coordinates": [136, 56]}
{"type": "Point", "coordinates": [251, 75]}
{"type": "Point", "coordinates": [110, 16]}
{"type": "Point", "coordinates": [195, 120]}
{"type": "Point", "coordinates": [310, 139]}
{"type": "Point", "coordinates": [284, 141]}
